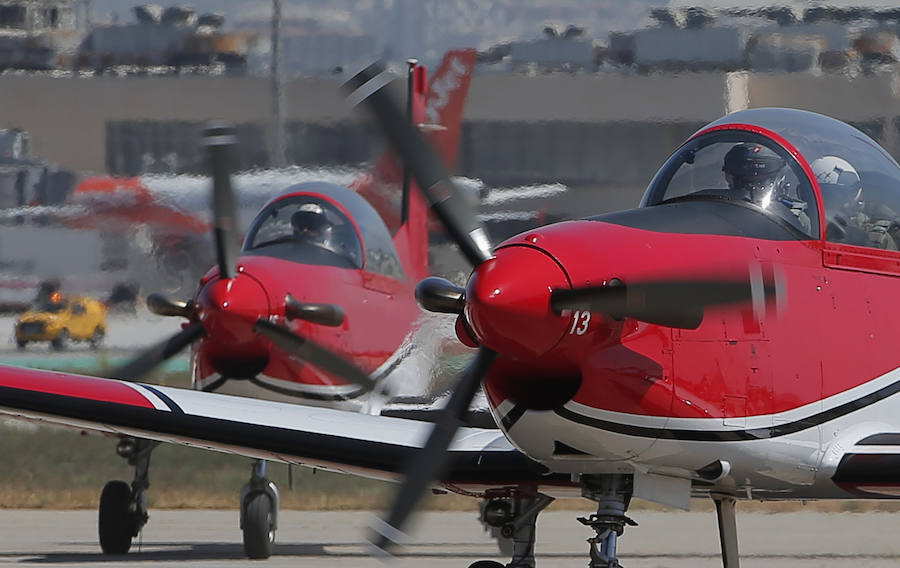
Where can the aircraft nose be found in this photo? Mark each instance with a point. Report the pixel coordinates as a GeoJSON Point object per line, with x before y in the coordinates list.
{"type": "Point", "coordinates": [508, 302]}
{"type": "Point", "coordinates": [230, 307]}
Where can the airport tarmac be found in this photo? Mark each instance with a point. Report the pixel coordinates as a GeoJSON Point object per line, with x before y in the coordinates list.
{"type": "Point", "coordinates": [455, 540]}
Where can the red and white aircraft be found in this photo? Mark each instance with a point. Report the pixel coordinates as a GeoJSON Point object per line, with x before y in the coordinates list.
{"type": "Point", "coordinates": [172, 211]}
{"type": "Point", "coordinates": [684, 348]}
{"type": "Point", "coordinates": [322, 278]}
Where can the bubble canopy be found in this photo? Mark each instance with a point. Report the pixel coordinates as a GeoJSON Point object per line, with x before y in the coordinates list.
{"type": "Point", "coordinates": [822, 166]}
{"type": "Point", "coordinates": [359, 239]}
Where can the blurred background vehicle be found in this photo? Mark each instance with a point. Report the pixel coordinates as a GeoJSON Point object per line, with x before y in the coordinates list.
{"type": "Point", "coordinates": [61, 320]}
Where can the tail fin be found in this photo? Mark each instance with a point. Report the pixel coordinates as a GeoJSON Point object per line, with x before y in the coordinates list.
{"type": "Point", "coordinates": [438, 111]}
{"type": "Point", "coordinates": [446, 100]}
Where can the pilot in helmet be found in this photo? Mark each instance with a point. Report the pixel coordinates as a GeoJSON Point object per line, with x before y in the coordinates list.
{"type": "Point", "coordinates": [859, 222]}
{"type": "Point", "coordinates": [840, 184]}
{"type": "Point", "coordinates": [311, 225]}
{"type": "Point", "coordinates": [756, 174]}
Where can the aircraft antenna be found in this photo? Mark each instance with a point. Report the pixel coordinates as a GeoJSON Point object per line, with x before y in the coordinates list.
{"type": "Point", "coordinates": [410, 94]}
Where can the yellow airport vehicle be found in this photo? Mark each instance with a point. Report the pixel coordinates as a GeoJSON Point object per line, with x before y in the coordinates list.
{"type": "Point", "coordinates": [60, 320]}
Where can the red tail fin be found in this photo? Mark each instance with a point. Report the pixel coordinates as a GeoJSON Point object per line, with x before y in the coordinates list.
{"type": "Point", "coordinates": [446, 100]}
{"type": "Point", "coordinates": [438, 110]}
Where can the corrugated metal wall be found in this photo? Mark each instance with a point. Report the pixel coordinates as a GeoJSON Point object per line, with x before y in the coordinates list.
{"type": "Point", "coordinates": [500, 152]}
{"type": "Point", "coordinates": [144, 146]}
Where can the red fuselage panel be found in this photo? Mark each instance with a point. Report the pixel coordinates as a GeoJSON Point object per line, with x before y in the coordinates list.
{"type": "Point", "coordinates": [829, 330]}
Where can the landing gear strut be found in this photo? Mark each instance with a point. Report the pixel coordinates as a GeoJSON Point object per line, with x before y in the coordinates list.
{"type": "Point", "coordinates": [123, 507]}
{"type": "Point", "coordinates": [512, 518]}
{"type": "Point", "coordinates": [612, 493]}
{"type": "Point", "coordinates": [727, 530]}
{"type": "Point", "coordinates": [259, 513]}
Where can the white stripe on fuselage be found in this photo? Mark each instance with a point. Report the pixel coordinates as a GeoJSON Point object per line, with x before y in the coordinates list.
{"type": "Point", "coordinates": [751, 422]}
{"type": "Point", "coordinates": [798, 462]}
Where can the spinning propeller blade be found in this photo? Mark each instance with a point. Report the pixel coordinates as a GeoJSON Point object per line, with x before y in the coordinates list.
{"type": "Point", "coordinates": [219, 139]}
{"type": "Point", "coordinates": [446, 200]}
{"type": "Point", "coordinates": [673, 303]}
{"type": "Point", "coordinates": [314, 354]}
{"type": "Point", "coordinates": [152, 357]}
{"type": "Point", "coordinates": [429, 463]}
{"type": "Point", "coordinates": [452, 209]}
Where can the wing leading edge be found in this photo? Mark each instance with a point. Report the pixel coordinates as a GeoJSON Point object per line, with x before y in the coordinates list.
{"type": "Point", "coordinates": [371, 446]}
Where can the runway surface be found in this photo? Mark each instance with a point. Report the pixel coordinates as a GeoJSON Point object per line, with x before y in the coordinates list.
{"type": "Point", "coordinates": [320, 539]}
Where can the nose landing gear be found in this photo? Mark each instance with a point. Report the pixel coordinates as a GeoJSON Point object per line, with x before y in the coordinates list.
{"type": "Point", "coordinates": [612, 494]}
{"type": "Point", "coordinates": [259, 513]}
{"type": "Point", "coordinates": [512, 518]}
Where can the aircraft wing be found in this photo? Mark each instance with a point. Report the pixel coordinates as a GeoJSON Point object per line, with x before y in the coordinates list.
{"type": "Point", "coordinates": [372, 446]}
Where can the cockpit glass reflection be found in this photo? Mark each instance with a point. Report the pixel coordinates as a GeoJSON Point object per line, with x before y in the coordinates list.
{"type": "Point", "coordinates": [744, 168]}
{"type": "Point", "coordinates": [858, 179]}
{"type": "Point", "coordinates": [306, 229]}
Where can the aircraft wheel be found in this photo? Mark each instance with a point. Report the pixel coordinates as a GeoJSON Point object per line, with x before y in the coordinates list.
{"type": "Point", "coordinates": [61, 340]}
{"type": "Point", "coordinates": [487, 564]}
{"type": "Point", "coordinates": [259, 535]}
{"type": "Point", "coordinates": [116, 522]}
{"type": "Point", "coordinates": [97, 338]}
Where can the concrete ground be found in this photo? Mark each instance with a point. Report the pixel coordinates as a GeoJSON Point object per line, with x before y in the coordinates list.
{"type": "Point", "coordinates": [455, 540]}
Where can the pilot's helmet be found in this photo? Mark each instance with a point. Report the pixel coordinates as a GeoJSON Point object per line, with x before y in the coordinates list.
{"type": "Point", "coordinates": [755, 172]}
{"type": "Point", "coordinates": [839, 182]}
{"type": "Point", "coordinates": [311, 224]}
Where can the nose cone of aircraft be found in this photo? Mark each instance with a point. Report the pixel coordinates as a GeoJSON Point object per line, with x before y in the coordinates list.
{"type": "Point", "coordinates": [508, 302]}
{"type": "Point", "coordinates": [229, 308]}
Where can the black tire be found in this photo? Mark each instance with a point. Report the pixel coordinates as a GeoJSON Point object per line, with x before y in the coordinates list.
{"type": "Point", "coordinates": [21, 343]}
{"type": "Point", "coordinates": [61, 341]}
{"type": "Point", "coordinates": [259, 535]}
{"type": "Point", "coordinates": [116, 522]}
{"type": "Point", "coordinates": [486, 564]}
{"type": "Point", "coordinates": [97, 337]}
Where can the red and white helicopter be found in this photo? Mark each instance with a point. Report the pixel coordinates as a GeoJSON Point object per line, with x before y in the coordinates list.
{"type": "Point", "coordinates": [323, 278]}
{"type": "Point", "coordinates": [683, 348]}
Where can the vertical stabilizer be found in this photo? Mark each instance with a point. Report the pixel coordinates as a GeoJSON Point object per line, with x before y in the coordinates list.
{"type": "Point", "coordinates": [437, 110]}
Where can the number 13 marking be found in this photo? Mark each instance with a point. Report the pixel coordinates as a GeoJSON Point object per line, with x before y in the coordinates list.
{"type": "Point", "coordinates": [580, 322]}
